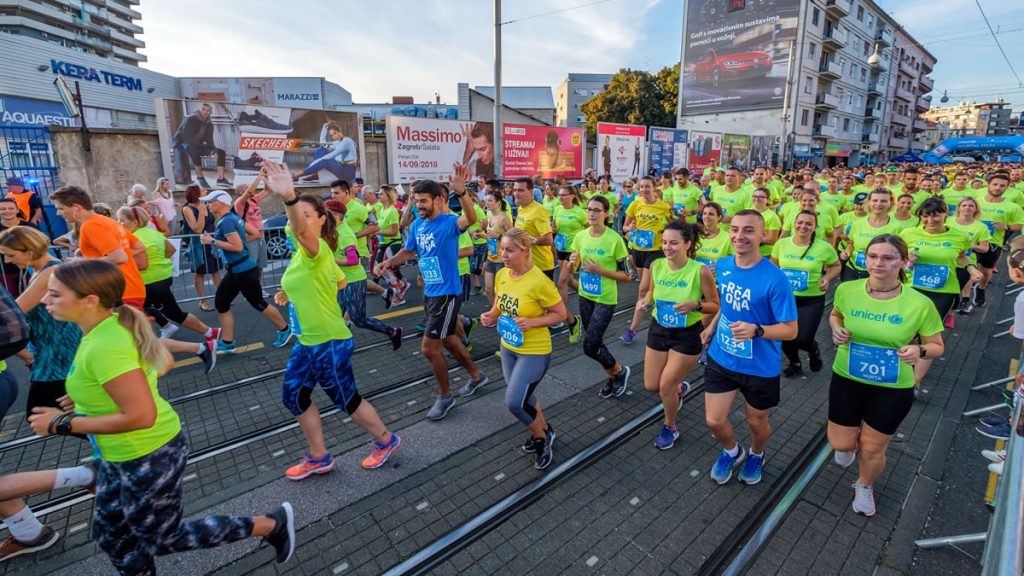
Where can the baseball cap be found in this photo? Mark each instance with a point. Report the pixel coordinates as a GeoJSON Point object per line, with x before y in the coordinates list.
{"type": "Point", "coordinates": [860, 197]}
{"type": "Point", "coordinates": [217, 196]}
{"type": "Point", "coordinates": [15, 181]}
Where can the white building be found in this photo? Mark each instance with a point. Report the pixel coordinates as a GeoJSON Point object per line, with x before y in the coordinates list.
{"type": "Point", "coordinates": [104, 28]}
{"type": "Point", "coordinates": [573, 93]}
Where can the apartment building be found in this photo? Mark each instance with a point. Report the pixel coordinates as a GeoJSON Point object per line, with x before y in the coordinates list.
{"type": "Point", "coordinates": [908, 88]}
{"type": "Point", "coordinates": [104, 28]}
{"type": "Point", "coordinates": [573, 93]}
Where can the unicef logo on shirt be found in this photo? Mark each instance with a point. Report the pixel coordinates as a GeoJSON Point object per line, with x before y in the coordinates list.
{"type": "Point", "coordinates": [600, 251]}
{"type": "Point", "coordinates": [896, 319]}
{"type": "Point", "coordinates": [947, 244]}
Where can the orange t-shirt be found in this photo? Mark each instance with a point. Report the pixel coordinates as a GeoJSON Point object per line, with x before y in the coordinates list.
{"type": "Point", "coordinates": [100, 236]}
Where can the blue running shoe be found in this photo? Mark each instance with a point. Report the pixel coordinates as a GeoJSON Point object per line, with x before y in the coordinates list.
{"type": "Point", "coordinates": [667, 438]}
{"type": "Point", "coordinates": [722, 471]}
{"type": "Point", "coordinates": [225, 348]}
{"type": "Point", "coordinates": [282, 338]}
{"type": "Point", "coordinates": [751, 472]}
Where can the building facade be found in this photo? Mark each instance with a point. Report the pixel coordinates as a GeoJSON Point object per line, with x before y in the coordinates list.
{"type": "Point", "coordinates": [908, 89]}
{"type": "Point", "coordinates": [966, 119]}
{"type": "Point", "coordinates": [573, 93]}
{"type": "Point", "coordinates": [104, 28]}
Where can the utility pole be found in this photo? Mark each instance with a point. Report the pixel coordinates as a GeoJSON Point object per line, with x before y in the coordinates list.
{"type": "Point", "coordinates": [498, 147]}
{"type": "Point", "coordinates": [785, 105]}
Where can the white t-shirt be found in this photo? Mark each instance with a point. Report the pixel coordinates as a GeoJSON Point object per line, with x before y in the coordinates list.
{"type": "Point", "coordinates": [1018, 316]}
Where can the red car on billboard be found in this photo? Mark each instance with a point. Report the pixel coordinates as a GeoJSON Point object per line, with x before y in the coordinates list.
{"type": "Point", "coordinates": [715, 68]}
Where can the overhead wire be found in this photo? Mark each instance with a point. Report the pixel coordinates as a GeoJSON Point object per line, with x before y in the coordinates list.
{"type": "Point", "coordinates": [1001, 51]}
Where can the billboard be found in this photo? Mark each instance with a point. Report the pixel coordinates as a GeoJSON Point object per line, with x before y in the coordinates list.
{"type": "Point", "coordinates": [735, 54]}
{"type": "Point", "coordinates": [761, 148]}
{"type": "Point", "coordinates": [225, 144]}
{"type": "Point", "coordinates": [620, 150]}
{"type": "Point", "coordinates": [301, 92]}
{"type": "Point", "coordinates": [703, 147]}
{"type": "Point", "coordinates": [667, 149]}
{"type": "Point", "coordinates": [421, 148]}
{"type": "Point", "coordinates": [736, 150]}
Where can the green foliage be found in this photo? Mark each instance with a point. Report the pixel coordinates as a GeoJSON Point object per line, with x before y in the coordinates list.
{"type": "Point", "coordinates": [635, 97]}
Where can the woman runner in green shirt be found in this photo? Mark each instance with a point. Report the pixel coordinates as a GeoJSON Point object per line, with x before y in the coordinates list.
{"type": "Point", "coordinates": [569, 218]}
{"type": "Point", "coordinates": [966, 220]}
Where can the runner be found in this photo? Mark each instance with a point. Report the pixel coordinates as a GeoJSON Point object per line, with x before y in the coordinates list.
{"type": "Point", "coordinates": [352, 297]}
{"type": "Point", "coordinates": [498, 222]}
{"type": "Point", "coordinates": [733, 196]}
{"type": "Point", "coordinates": [714, 244]}
{"type": "Point", "coordinates": [390, 243]}
{"type": "Point", "coordinates": [569, 219]}
{"type": "Point", "coordinates": [525, 306]}
{"type": "Point", "coordinates": [802, 257]}
{"type": "Point", "coordinates": [645, 218]}
{"type": "Point", "coordinates": [364, 224]}
{"type": "Point", "coordinates": [138, 507]}
{"type": "Point", "coordinates": [435, 237]}
{"type": "Point", "coordinates": [935, 253]}
{"type": "Point", "coordinates": [874, 323]}
{"type": "Point", "coordinates": [199, 221]}
{"type": "Point", "coordinates": [684, 290]}
{"type": "Point", "coordinates": [599, 254]}
{"type": "Point", "coordinates": [828, 218]}
{"type": "Point", "coordinates": [965, 220]}
{"type": "Point", "coordinates": [772, 224]}
{"type": "Point", "coordinates": [685, 196]}
{"type": "Point", "coordinates": [859, 233]}
{"type": "Point", "coordinates": [323, 353]}
{"type": "Point", "coordinates": [757, 312]}
{"type": "Point", "coordinates": [999, 215]}
{"type": "Point", "coordinates": [904, 217]}
{"type": "Point", "coordinates": [479, 236]}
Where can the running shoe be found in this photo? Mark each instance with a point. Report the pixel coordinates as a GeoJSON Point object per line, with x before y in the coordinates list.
{"type": "Point", "coordinates": [260, 123]}
{"type": "Point", "coordinates": [421, 327]}
{"type": "Point", "coordinates": [996, 468]}
{"type": "Point", "coordinates": [168, 331]}
{"type": "Point", "coordinates": [531, 445]}
{"type": "Point", "coordinates": [283, 337]}
{"type": "Point", "coordinates": [966, 307]}
{"type": "Point", "coordinates": [608, 388]}
{"type": "Point", "coordinates": [282, 537]}
{"type": "Point", "coordinates": [381, 452]}
{"type": "Point", "coordinates": [684, 388]}
{"type": "Point", "coordinates": [992, 420]}
{"type": "Point", "coordinates": [396, 337]}
{"type": "Point", "coordinates": [792, 370]}
{"type": "Point", "coordinates": [213, 339]}
{"type": "Point", "coordinates": [751, 472]}
{"type": "Point", "coordinates": [225, 348]}
{"type": "Point", "coordinates": [440, 408]}
{"type": "Point", "coordinates": [402, 290]}
{"type": "Point", "coordinates": [224, 183]}
{"type": "Point", "coordinates": [815, 359]}
{"type": "Point", "coordinates": [723, 468]}
{"type": "Point", "coordinates": [628, 336]}
{"type": "Point", "coordinates": [979, 298]}
{"type": "Point", "coordinates": [996, 456]}
{"type": "Point", "coordinates": [666, 438]}
{"type": "Point", "coordinates": [209, 358]}
{"type": "Point", "coordinates": [253, 163]}
{"type": "Point", "coordinates": [471, 386]}
{"type": "Point", "coordinates": [11, 548]}
{"type": "Point", "coordinates": [844, 459]}
{"type": "Point", "coordinates": [621, 381]}
{"type": "Point", "coordinates": [575, 330]}
{"type": "Point", "coordinates": [863, 500]}
{"type": "Point", "coordinates": [473, 325]}
{"type": "Point", "coordinates": [949, 323]}
{"type": "Point", "coordinates": [202, 183]}
{"type": "Point", "coordinates": [396, 302]}
{"type": "Point", "coordinates": [476, 291]}
{"type": "Point", "coordinates": [309, 466]}
{"type": "Point", "coordinates": [467, 344]}
{"type": "Point", "coordinates": [995, 432]}
{"type": "Point", "coordinates": [545, 451]}
{"type": "Point", "coordinates": [389, 298]}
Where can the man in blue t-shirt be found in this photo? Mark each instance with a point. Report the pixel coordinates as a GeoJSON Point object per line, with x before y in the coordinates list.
{"type": "Point", "coordinates": [435, 238]}
{"type": "Point", "coordinates": [243, 275]}
{"type": "Point", "coordinates": [758, 311]}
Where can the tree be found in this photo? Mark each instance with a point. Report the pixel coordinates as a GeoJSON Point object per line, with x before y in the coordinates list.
{"type": "Point", "coordinates": [635, 97]}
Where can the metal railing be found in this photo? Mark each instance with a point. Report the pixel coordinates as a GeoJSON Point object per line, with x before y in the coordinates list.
{"type": "Point", "coordinates": [1004, 550]}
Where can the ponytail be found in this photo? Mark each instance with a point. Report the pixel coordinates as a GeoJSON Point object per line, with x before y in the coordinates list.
{"type": "Point", "coordinates": [151, 350]}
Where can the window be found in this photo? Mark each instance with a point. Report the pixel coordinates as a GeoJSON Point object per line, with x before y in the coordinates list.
{"type": "Point", "coordinates": [807, 84]}
{"type": "Point", "coordinates": [804, 117]}
{"type": "Point", "coordinates": [863, 74]}
{"type": "Point", "coordinates": [581, 118]}
{"type": "Point", "coordinates": [812, 49]}
{"type": "Point", "coordinates": [866, 49]}
{"type": "Point", "coordinates": [846, 124]}
{"type": "Point", "coordinates": [860, 13]}
{"type": "Point", "coordinates": [816, 17]}
{"type": "Point", "coordinates": [871, 21]}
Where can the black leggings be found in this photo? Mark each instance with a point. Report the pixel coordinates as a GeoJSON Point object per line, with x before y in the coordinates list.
{"type": "Point", "coordinates": [596, 318]}
{"type": "Point", "coordinates": [245, 283]}
{"type": "Point", "coordinates": [809, 310]}
{"type": "Point", "coordinates": [161, 304]}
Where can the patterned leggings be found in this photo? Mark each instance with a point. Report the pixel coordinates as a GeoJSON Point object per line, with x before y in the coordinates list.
{"type": "Point", "coordinates": [352, 299]}
{"type": "Point", "coordinates": [138, 510]}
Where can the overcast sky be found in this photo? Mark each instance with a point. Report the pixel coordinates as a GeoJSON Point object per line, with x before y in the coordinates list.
{"type": "Point", "coordinates": [377, 50]}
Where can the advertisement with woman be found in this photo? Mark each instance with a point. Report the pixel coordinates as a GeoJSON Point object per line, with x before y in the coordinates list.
{"type": "Point", "coordinates": [621, 150]}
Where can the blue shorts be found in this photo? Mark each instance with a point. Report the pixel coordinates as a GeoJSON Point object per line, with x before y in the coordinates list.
{"type": "Point", "coordinates": [329, 365]}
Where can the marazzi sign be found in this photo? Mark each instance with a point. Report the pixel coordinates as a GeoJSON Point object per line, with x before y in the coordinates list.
{"type": "Point", "coordinates": [79, 72]}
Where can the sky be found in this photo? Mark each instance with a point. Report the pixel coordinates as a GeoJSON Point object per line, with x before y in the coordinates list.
{"type": "Point", "coordinates": [417, 48]}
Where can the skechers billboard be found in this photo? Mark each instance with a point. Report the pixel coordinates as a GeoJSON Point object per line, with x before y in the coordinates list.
{"type": "Point", "coordinates": [735, 54]}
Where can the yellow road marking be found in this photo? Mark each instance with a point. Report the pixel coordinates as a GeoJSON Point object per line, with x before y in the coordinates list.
{"type": "Point", "coordinates": [240, 350]}
{"type": "Point", "coordinates": [397, 313]}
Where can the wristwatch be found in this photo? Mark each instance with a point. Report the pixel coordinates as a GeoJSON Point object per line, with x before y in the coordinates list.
{"type": "Point", "coordinates": [922, 350]}
{"type": "Point", "coordinates": [700, 305]}
{"type": "Point", "coordinates": [759, 331]}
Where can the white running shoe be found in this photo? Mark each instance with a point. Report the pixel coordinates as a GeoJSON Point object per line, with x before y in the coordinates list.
{"type": "Point", "coordinates": [863, 500]}
{"type": "Point", "coordinates": [844, 459]}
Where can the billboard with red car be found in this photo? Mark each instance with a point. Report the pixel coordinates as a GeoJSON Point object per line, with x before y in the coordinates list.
{"type": "Point", "coordinates": [735, 54]}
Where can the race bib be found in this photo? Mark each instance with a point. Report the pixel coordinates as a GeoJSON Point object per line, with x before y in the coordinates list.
{"type": "Point", "coordinates": [728, 344]}
{"type": "Point", "coordinates": [492, 246]}
{"type": "Point", "coordinates": [874, 363]}
{"type": "Point", "coordinates": [293, 320]}
{"type": "Point", "coordinates": [509, 331]}
{"type": "Point", "coordinates": [991, 226]}
{"type": "Point", "coordinates": [797, 279]}
{"type": "Point", "coordinates": [560, 241]}
{"type": "Point", "coordinates": [930, 276]}
{"type": "Point", "coordinates": [590, 283]}
{"type": "Point", "coordinates": [644, 239]}
{"type": "Point", "coordinates": [668, 316]}
{"type": "Point", "coordinates": [430, 269]}
{"type": "Point", "coordinates": [861, 260]}
{"type": "Point", "coordinates": [680, 208]}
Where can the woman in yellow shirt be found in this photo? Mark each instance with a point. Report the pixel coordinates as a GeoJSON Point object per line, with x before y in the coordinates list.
{"type": "Point", "coordinates": [526, 303]}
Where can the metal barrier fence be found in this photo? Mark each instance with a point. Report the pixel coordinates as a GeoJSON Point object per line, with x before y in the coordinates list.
{"type": "Point", "coordinates": [1004, 541]}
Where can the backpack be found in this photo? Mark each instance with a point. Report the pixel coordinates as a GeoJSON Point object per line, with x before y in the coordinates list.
{"type": "Point", "coordinates": [13, 326]}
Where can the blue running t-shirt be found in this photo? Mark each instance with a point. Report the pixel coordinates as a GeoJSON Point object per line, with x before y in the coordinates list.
{"type": "Point", "coordinates": [760, 295]}
{"type": "Point", "coordinates": [437, 242]}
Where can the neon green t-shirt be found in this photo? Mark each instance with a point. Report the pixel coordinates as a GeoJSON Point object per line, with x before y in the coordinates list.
{"type": "Point", "coordinates": [1006, 212]}
{"type": "Point", "coordinates": [607, 250]}
{"type": "Point", "coordinates": [672, 286]}
{"type": "Point", "coordinates": [346, 238]}
{"type": "Point", "coordinates": [160, 267]}
{"type": "Point", "coordinates": [568, 221]}
{"type": "Point", "coordinates": [900, 225]}
{"type": "Point", "coordinates": [550, 203]}
{"type": "Point", "coordinates": [386, 217]}
{"type": "Point", "coordinates": [828, 219]}
{"type": "Point", "coordinates": [976, 232]}
{"type": "Point", "coordinates": [464, 242]}
{"type": "Point", "coordinates": [771, 222]}
{"type": "Point", "coordinates": [803, 265]}
{"type": "Point", "coordinates": [935, 270]}
{"type": "Point", "coordinates": [525, 297]}
{"type": "Point", "coordinates": [878, 328]}
{"type": "Point", "coordinates": [311, 283]}
{"type": "Point", "coordinates": [105, 353]}
{"type": "Point", "coordinates": [861, 233]}
{"type": "Point", "coordinates": [480, 217]}
{"type": "Point", "coordinates": [686, 199]}
{"type": "Point", "coordinates": [837, 201]}
{"type": "Point", "coordinates": [711, 250]}
{"type": "Point", "coordinates": [356, 216]}
{"type": "Point", "coordinates": [953, 197]}
{"type": "Point", "coordinates": [731, 202]}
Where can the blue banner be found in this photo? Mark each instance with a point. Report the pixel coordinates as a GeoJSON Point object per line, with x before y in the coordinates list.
{"type": "Point", "coordinates": [667, 149]}
{"type": "Point", "coordinates": [25, 112]}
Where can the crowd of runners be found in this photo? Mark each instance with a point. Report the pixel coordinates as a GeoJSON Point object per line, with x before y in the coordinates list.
{"type": "Point", "coordinates": [733, 269]}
